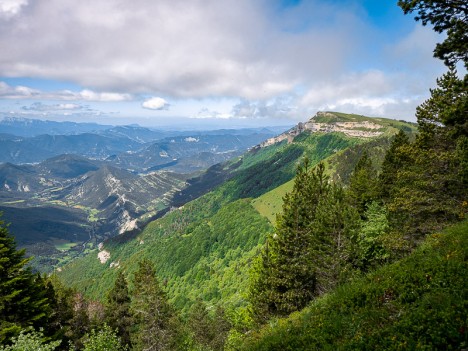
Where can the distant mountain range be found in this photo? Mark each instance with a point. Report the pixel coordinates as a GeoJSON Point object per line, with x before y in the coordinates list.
{"type": "Point", "coordinates": [132, 147]}
{"type": "Point", "coordinates": [205, 245]}
{"type": "Point", "coordinates": [60, 190]}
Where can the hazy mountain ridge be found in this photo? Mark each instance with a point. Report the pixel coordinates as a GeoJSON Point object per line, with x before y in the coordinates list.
{"type": "Point", "coordinates": [132, 147]}
{"type": "Point", "coordinates": [84, 198]}
{"type": "Point", "coordinates": [214, 233]}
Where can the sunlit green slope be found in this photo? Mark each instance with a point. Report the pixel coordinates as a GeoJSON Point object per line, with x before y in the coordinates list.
{"type": "Point", "coordinates": [204, 248]}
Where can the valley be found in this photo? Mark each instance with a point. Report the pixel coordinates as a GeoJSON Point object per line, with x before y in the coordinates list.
{"type": "Point", "coordinates": [63, 204]}
{"type": "Point", "coordinates": [204, 248]}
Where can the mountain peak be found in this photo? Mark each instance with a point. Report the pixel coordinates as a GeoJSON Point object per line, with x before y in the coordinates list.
{"type": "Point", "coordinates": [355, 126]}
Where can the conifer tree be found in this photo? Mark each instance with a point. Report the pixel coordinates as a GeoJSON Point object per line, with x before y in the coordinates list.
{"type": "Point", "coordinates": [80, 323]}
{"type": "Point", "coordinates": [117, 310]}
{"type": "Point", "coordinates": [331, 243]}
{"type": "Point", "coordinates": [156, 323]}
{"type": "Point", "coordinates": [210, 331]}
{"type": "Point", "coordinates": [363, 184]}
{"type": "Point", "coordinates": [61, 303]}
{"type": "Point", "coordinates": [395, 159]}
{"type": "Point", "coordinates": [285, 278]}
{"type": "Point", "coordinates": [23, 300]}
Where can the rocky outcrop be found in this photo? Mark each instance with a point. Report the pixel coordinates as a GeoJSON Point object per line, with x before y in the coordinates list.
{"type": "Point", "coordinates": [357, 129]}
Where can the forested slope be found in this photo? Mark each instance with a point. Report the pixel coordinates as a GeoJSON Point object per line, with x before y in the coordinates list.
{"type": "Point", "coordinates": [204, 249]}
{"type": "Point", "coordinates": [418, 303]}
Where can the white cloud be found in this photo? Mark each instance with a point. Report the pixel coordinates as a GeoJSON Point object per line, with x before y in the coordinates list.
{"type": "Point", "coordinates": [206, 113]}
{"type": "Point", "coordinates": [184, 49]}
{"type": "Point", "coordinates": [276, 64]}
{"type": "Point", "coordinates": [285, 107]}
{"type": "Point", "coordinates": [38, 106]}
{"type": "Point", "coordinates": [373, 93]}
{"type": "Point", "coordinates": [155, 103]}
{"type": "Point", "coordinates": [88, 95]}
{"type": "Point", "coordinates": [10, 8]}
{"type": "Point", "coordinates": [22, 92]}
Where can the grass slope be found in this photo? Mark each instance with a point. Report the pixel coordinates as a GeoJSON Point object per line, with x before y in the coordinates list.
{"type": "Point", "coordinates": [271, 203]}
{"type": "Point", "coordinates": [420, 302]}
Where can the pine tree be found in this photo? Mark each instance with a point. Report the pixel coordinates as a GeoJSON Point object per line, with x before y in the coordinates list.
{"type": "Point", "coordinates": [285, 279]}
{"type": "Point", "coordinates": [395, 159]}
{"type": "Point", "coordinates": [310, 250]}
{"type": "Point", "coordinates": [363, 184]}
{"type": "Point", "coordinates": [331, 239]}
{"type": "Point", "coordinates": [117, 310]}
{"type": "Point", "coordinates": [80, 323]}
{"type": "Point", "coordinates": [200, 323]}
{"type": "Point", "coordinates": [155, 321]}
{"type": "Point", "coordinates": [209, 330]}
{"type": "Point", "coordinates": [61, 303]}
{"type": "Point", "coordinates": [23, 300]}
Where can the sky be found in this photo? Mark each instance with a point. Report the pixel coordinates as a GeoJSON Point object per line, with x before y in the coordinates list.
{"type": "Point", "coordinates": [211, 62]}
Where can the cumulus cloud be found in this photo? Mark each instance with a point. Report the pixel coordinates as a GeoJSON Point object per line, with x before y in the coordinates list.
{"type": "Point", "coordinates": [155, 103]}
{"type": "Point", "coordinates": [369, 93]}
{"type": "Point", "coordinates": [285, 107]}
{"type": "Point", "coordinates": [185, 49]}
{"type": "Point", "coordinates": [206, 113]}
{"type": "Point", "coordinates": [39, 106]}
{"type": "Point", "coordinates": [21, 92]}
{"type": "Point", "coordinates": [10, 8]}
{"type": "Point", "coordinates": [274, 64]}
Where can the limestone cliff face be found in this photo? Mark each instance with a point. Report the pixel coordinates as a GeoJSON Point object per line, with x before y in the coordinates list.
{"type": "Point", "coordinates": [329, 123]}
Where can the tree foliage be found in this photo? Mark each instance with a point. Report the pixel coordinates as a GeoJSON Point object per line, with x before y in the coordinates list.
{"type": "Point", "coordinates": [155, 321]}
{"type": "Point", "coordinates": [23, 300]}
{"type": "Point", "coordinates": [117, 310]}
{"type": "Point", "coordinates": [104, 339]}
{"type": "Point", "coordinates": [363, 184]}
{"type": "Point", "coordinates": [30, 340]}
{"type": "Point", "coordinates": [449, 16]}
{"type": "Point", "coordinates": [208, 330]}
{"type": "Point", "coordinates": [308, 253]}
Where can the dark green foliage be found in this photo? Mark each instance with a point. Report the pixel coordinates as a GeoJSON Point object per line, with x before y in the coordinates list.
{"type": "Point", "coordinates": [23, 300]}
{"type": "Point", "coordinates": [80, 323]}
{"type": "Point", "coordinates": [445, 112]}
{"type": "Point", "coordinates": [285, 280]}
{"type": "Point", "coordinates": [449, 16]}
{"type": "Point", "coordinates": [208, 330]}
{"type": "Point", "coordinates": [426, 188]}
{"type": "Point", "coordinates": [61, 313]}
{"type": "Point", "coordinates": [117, 309]}
{"type": "Point", "coordinates": [309, 252]}
{"type": "Point", "coordinates": [332, 233]}
{"type": "Point", "coordinates": [394, 160]}
{"type": "Point", "coordinates": [418, 303]}
{"type": "Point", "coordinates": [363, 184]}
{"type": "Point", "coordinates": [370, 249]}
{"type": "Point", "coordinates": [155, 321]}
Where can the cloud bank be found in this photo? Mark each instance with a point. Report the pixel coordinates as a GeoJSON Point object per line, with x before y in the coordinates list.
{"type": "Point", "coordinates": [273, 60]}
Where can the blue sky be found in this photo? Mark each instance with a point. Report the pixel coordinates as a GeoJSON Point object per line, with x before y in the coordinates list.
{"type": "Point", "coordinates": [211, 62]}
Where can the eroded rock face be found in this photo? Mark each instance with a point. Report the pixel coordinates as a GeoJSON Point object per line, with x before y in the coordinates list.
{"type": "Point", "coordinates": [103, 256]}
{"type": "Point", "coordinates": [358, 129]}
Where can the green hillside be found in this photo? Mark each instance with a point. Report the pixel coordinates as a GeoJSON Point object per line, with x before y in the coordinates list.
{"type": "Point", "coordinates": [204, 248]}
{"type": "Point", "coordinates": [270, 204]}
{"type": "Point", "coordinates": [418, 303]}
